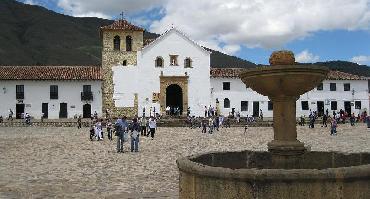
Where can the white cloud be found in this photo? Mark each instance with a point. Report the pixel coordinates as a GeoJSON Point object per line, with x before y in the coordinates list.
{"type": "Point", "coordinates": [30, 2]}
{"type": "Point", "coordinates": [262, 23]}
{"type": "Point", "coordinates": [232, 23]}
{"type": "Point", "coordinates": [306, 57]}
{"type": "Point", "coordinates": [106, 8]}
{"type": "Point", "coordinates": [361, 59]}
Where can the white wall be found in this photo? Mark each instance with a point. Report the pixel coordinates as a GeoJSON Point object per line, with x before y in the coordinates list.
{"type": "Point", "coordinates": [238, 92]}
{"type": "Point", "coordinates": [360, 88]}
{"type": "Point", "coordinates": [144, 78]}
{"type": "Point", "coordinates": [38, 92]}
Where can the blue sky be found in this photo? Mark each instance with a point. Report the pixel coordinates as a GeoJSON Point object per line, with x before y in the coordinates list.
{"type": "Point", "coordinates": [314, 30]}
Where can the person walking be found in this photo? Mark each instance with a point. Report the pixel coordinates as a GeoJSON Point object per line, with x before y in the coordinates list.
{"type": "Point", "coordinates": [210, 125]}
{"type": "Point", "coordinates": [10, 116]}
{"type": "Point", "coordinates": [152, 126]}
{"type": "Point", "coordinates": [79, 122]}
{"type": "Point", "coordinates": [120, 128]}
{"type": "Point", "coordinates": [333, 130]}
{"type": "Point", "coordinates": [143, 126]}
{"type": "Point", "coordinates": [352, 119]}
{"type": "Point", "coordinates": [324, 120]}
{"type": "Point", "coordinates": [205, 111]}
{"type": "Point", "coordinates": [98, 130]}
{"type": "Point", "coordinates": [204, 125]}
{"type": "Point", "coordinates": [109, 129]}
{"type": "Point", "coordinates": [134, 134]}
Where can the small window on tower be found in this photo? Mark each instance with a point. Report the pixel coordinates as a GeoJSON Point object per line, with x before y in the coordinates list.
{"type": "Point", "coordinates": [128, 43]}
{"type": "Point", "coordinates": [124, 63]}
{"type": "Point", "coordinates": [173, 60]}
{"type": "Point", "coordinates": [117, 42]}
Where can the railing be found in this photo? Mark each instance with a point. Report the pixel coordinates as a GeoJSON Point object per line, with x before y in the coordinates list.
{"type": "Point", "coordinates": [19, 95]}
{"type": "Point", "coordinates": [87, 96]}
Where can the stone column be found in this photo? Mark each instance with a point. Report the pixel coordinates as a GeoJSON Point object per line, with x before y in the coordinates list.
{"type": "Point", "coordinates": [285, 131]}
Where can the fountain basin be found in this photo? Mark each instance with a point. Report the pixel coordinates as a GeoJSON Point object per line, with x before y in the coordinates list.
{"type": "Point", "coordinates": [252, 174]}
{"type": "Point", "coordinates": [289, 80]}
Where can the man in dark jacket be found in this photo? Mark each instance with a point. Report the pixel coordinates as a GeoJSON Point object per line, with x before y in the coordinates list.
{"type": "Point", "coordinates": [120, 127]}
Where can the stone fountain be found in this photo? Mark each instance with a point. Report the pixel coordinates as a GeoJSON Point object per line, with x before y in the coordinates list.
{"type": "Point", "coordinates": [287, 170]}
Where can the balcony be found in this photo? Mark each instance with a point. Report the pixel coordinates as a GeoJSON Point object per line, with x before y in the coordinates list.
{"type": "Point", "coordinates": [87, 96]}
{"type": "Point", "coordinates": [19, 95]}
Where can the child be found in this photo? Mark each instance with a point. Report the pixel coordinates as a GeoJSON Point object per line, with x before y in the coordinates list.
{"type": "Point", "coordinates": [204, 126]}
{"type": "Point", "coordinates": [109, 129]}
{"type": "Point", "coordinates": [333, 127]}
{"type": "Point", "coordinates": [210, 124]}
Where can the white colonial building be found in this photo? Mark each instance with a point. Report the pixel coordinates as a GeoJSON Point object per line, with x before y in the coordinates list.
{"type": "Point", "coordinates": [339, 91]}
{"type": "Point", "coordinates": [55, 91]}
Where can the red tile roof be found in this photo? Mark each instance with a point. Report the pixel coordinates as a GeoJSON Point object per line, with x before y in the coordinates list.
{"type": "Point", "coordinates": [234, 73]}
{"type": "Point", "coordinates": [226, 72]}
{"type": "Point", "coordinates": [338, 75]}
{"type": "Point", "coordinates": [121, 25]}
{"type": "Point", "coordinates": [50, 73]}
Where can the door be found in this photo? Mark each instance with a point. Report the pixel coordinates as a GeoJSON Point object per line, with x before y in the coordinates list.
{"type": "Point", "coordinates": [174, 97]}
{"type": "Point", "coordinates": [256, 109]}
{"type": "Point", "coordinates": [347, 107]}
{"type": "Point", "coordinates": [19, 109]}
{"type": "Point", "coordinates": [63, 110]}
{"type": "Point", "coordinates": [320, 108]}
{"type": "Point", "coordinates": [45, 110]}
{"type": "Point", "coordinates": [86, 111]}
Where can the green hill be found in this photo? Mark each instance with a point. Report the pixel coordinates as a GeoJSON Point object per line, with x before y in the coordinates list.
{"type": "Point", "coordinates": [33, 35]}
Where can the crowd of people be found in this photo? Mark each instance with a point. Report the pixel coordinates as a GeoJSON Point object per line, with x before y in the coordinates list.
{"type": "Point", "coordinates": [125, 130]}
{"type": "Point", "coordinates": [333, 119]}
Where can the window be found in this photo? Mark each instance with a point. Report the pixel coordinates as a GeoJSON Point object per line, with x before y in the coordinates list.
{"type": "Point", "coordinates": [86, 94]}
{"type": "Point", "coordinates": [124, 63]}
{"type": "Point", "coordinates": [226, 86]}
{"type": "Point", "coordinates": [304, 105]}
{"type": "Point", "coordinates": [19, 91]}
{"type": "Point", "coordinates": [128, 43]}
{"type": "Point", "coordinates": [244, 105]}
{"type": "Point", "coordinates": [357, 104]}
{"type": "Point", "coordinates": [159, 62]}
{"type": "Point", "coordinates": [86, 88]}
{"type": "Point", "coordinates": [117, 43]}
{"type": "Point", "coordinates": [347, 86]}
{"type": "Point", "coordinates": [187, 63]}
{"type": "Point", "coordinates": [334, 105]}
{"type": "Point", "coordinates": [333, 86]}
{"type": "Point", "coordinates": [54, 92]}
{"type": "Point", "coordinates": [270, 106]}
{"type": "Point", "coordinates": [173, 60]}
{"type": "Point", "coordinates": [320, 87]}
{"type": "Point", "coordinates": [226, 103]}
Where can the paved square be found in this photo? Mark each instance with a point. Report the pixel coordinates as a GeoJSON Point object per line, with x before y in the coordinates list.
{"type": "Point", "coordinates": [62, 162]}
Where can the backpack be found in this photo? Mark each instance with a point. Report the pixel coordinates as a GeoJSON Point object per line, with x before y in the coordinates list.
{"type": "Point", "coordinates": [117, 129]}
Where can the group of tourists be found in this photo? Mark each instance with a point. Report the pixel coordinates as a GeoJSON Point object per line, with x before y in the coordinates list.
{"type": "Point", "coordinates": [334, 119]}
{"type": "Point", "coordinates": [125, 130]}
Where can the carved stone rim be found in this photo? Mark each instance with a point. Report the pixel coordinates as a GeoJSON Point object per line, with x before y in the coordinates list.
{"type": "Point", "coordinates": [185, 164]}
{"type": "Point", "coordinates": [284, 69]}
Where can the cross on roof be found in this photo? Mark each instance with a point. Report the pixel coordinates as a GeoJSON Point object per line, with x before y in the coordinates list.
{"type": "Point", "coordinates": [122, 15]}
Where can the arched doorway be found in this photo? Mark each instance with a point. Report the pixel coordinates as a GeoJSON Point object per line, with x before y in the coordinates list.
{"type": "Point", "coordinates": [86, 111]}
{"type": "Point", "coordinates": [174, 97]}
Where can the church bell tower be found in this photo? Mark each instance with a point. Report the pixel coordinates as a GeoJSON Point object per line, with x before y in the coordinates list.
{"type": "Point", "coordinates": [121, 41]}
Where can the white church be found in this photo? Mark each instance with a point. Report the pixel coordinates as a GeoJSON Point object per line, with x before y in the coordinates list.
{"type": "Point", "coordinates": [139, 74]}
